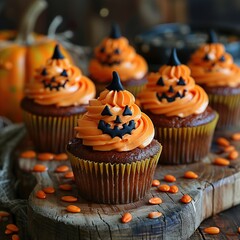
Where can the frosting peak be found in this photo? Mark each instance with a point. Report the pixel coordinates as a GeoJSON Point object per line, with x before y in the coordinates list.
{"type": "Point", "coordinates": [115, 122]}
{"type": "Point", "coordinates": [212, 66]}
{"type": "Point", "coordinates": [60, 83]}
{"type": "Point", "coordinates": [173, 92]}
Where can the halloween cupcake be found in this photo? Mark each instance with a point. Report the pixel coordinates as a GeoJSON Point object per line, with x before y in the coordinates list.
{"type": "Point", "coordinates": [54, 101]}
{"type": "Point", "coordinates": [215, 71]}
{"type": "Point", "coordinates": [115, 53]}
{"type": "Point", "coordinates": [183, 122]}
{"type": "Point", "coordinates": [114, 156]}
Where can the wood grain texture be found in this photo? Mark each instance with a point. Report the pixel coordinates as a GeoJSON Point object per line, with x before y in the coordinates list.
{"type": "Point", "coordinates": [216, 189]}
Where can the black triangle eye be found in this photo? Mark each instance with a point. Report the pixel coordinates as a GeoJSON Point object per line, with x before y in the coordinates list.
{"type": "Point", "coordinates": [206, 58]}
{"type": "Point", "coordinates": [44, 72]}
{"type": "Point", "coordinates": [102, 50]}
{"type": "Point", "coordinates": [106, 112]}
{"type": "Point", "coordinates": [127, 111]}
{"type": "Point", "coordinates": [117, 51]}
{"type": "Point", "coordinates": [160, 82]}
{"type": "Point", "coordinates": [64, 73]}
{"type": "Point", "coordinates": [181, 82]}
{"type": "Point", "coordinates": [222, 59]}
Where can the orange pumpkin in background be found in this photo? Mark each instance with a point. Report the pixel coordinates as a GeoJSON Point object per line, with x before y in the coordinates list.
{"type": "Point", "coordinates": [19, 58]}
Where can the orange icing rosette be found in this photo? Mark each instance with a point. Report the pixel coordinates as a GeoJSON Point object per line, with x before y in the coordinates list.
{"type": "Point", "coordinates": [60, 83]}
{"type": "Point", "coordinates": [115, 53]}
{"type": "Point", "coordinates": [114, 121]}
{"type": "Point", "coordinates": [212, 66]}
{"type": "Point", "coordinates": [173, 92]}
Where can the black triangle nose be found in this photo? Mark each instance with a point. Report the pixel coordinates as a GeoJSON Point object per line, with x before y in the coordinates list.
{"type": "Point", "coordinates": [117, 120]}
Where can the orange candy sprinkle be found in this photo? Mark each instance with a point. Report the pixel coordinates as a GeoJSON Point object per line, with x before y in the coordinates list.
{"type": "Point", "coordinates": [7, 232]}
{"type": "Point", "coordinates": [186, 199]}
{"type": "Point", "coordinates": [173, 189]}
{"type": "Point", "coordinates": [164, 188]}
{"type": "Point", "coordinates": [73, 209]}
{"type": "Point", "coordinates": [190, 175]}
{"type": "Point", "coordinates": [155, 183]}
{"type": "Point", "coordinates": [69, 175]}
{"type": "Point", "coordinates": [39, 168]}
{"type": "Point", "coordinates": [12, 227]}
{"type": "Point", "coordinates": [28, 154]}
{"type": "Point", "coordinates": [155, 200]}
{"type": "Point", "coordinates": [154, 214]}
{"type": "Point", "coordinates": [15, 237]}
{"type": "Point", "coordinates": [49, 190]}
{"type": "Point", "coordinates": [236, 136]}
{"type": "Point", "coordinates": [229, 148]}
{"type": "Point", "coordinates": [127, 217]}
{"type": "Point", "coordinates": [61, 157]}
{"type": "Point", "coordinates": [45, 156]}
{"type": "Point", "coordinates": [223, 142]}
{"type": "Point", "coordinates": [62, 169]}
{"type": "Point", "coordinates": [41, 194]}
{"type": "Point", "coordinates": [221, 161]}
{"type": "Point", "coordinates": [169, 178]}
{"type": "Point", "coordinates": [233, 155]}
{"type": "Point", "coordinates": [212, 230]}
{"type": "Point", "coordinates": [65, 187]}
{"type": "Point", "coordinates": [4, 214]}
{"type": "Point", "coordinates": [69, 199]}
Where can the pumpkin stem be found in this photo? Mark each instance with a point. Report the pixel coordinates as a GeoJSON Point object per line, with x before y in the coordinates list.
{"type": "Point", "coordinates": [29, 20]}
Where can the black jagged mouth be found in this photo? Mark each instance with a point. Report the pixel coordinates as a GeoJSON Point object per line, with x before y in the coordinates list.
{"type": "Point", "coordinates": [54, 85]}
{"type": "Point", "coordinates": [172, 98]}
{"type": "Point", "coordinates": [116, 131]}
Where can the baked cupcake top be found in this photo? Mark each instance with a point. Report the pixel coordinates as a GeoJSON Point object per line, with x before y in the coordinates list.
{"type": "Point", "coordinates": [212, 66]}
{"type": "Point", "coordinates": [114, 122]}
{"type": "Point", "coordinates": [60, 83]}
{"type": "Point", "coordinates": [115, 53]}
{"type": "Point", "coordinates": [172, 91]}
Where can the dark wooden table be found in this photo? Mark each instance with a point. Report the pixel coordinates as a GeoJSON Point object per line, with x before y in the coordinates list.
{"type": "Point", "coordinates": [228, 222]}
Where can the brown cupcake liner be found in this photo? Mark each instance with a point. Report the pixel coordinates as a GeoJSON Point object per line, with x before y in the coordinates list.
{"type": "Point", "coordinates": [50, 134]}
{"type": "Point", "coordinates": [134, 89]}
{"type": "Point", "coordinates": [113, 183]}
{"type": "Point", "coordinates": [185, 145]}
{"type": "Point", "coordinates": [228, 108]}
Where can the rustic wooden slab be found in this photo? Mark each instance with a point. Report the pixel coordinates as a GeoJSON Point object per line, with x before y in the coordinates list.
{"type": "Point", "coordinates": [216, 189]}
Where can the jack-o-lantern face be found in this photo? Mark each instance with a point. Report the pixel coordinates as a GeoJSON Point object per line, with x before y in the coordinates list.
{"type": "Point", "coordinates": [120, 127]}
{"type": "Point", "coordinates": [114, 122]}
{"type": "Point", "coordinates": [212, 55]}
{"type": "Point", "coordinates": [57, 81]}
{"type": "Point", "coordinates": [115, 49]}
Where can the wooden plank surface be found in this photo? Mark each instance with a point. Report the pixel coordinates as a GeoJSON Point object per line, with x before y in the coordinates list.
{"type": "Point", "coordinates": [216, 189]}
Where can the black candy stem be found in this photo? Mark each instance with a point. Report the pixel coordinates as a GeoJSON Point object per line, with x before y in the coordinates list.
{"type": "Point", "coordinates": [115, 31]}
{"type": "Point", "coordinates": [57, 53]}
{"type": "Point", "coordinates": [116, 84]}
{"type": "Point", "coordinates": [173, 59]}
{"type": "Point", "coordinates": [212, 37]}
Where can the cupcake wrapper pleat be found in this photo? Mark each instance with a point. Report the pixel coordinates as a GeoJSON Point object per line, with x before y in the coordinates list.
{"type": "Point", "coordinates": [185, 145]}
{"type": "Point", "coordinates": [50, 134]}
{"type": "Point", "coordinates": [113, 183]}
{"type": "Point", "coordinates": [228, 108]}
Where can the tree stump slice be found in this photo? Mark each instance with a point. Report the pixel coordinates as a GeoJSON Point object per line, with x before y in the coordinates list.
{"type": "Point", "coordinates": [216, 189]}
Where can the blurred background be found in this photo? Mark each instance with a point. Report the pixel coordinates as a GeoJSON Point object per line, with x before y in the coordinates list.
{"type": "Point", "coordinates": [90, 20]}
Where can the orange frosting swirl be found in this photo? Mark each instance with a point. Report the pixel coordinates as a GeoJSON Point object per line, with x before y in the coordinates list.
{"type": "Point", "coordinates": [118, 55]}
{"type": "Point", "coordinates": [172, 92]}
{"type": "Point", "coordinates": [116, 103]}
{"type": "Point", "coordinates": [61, 84]}
{"type": "Point", "coordinates": [212, 66]}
